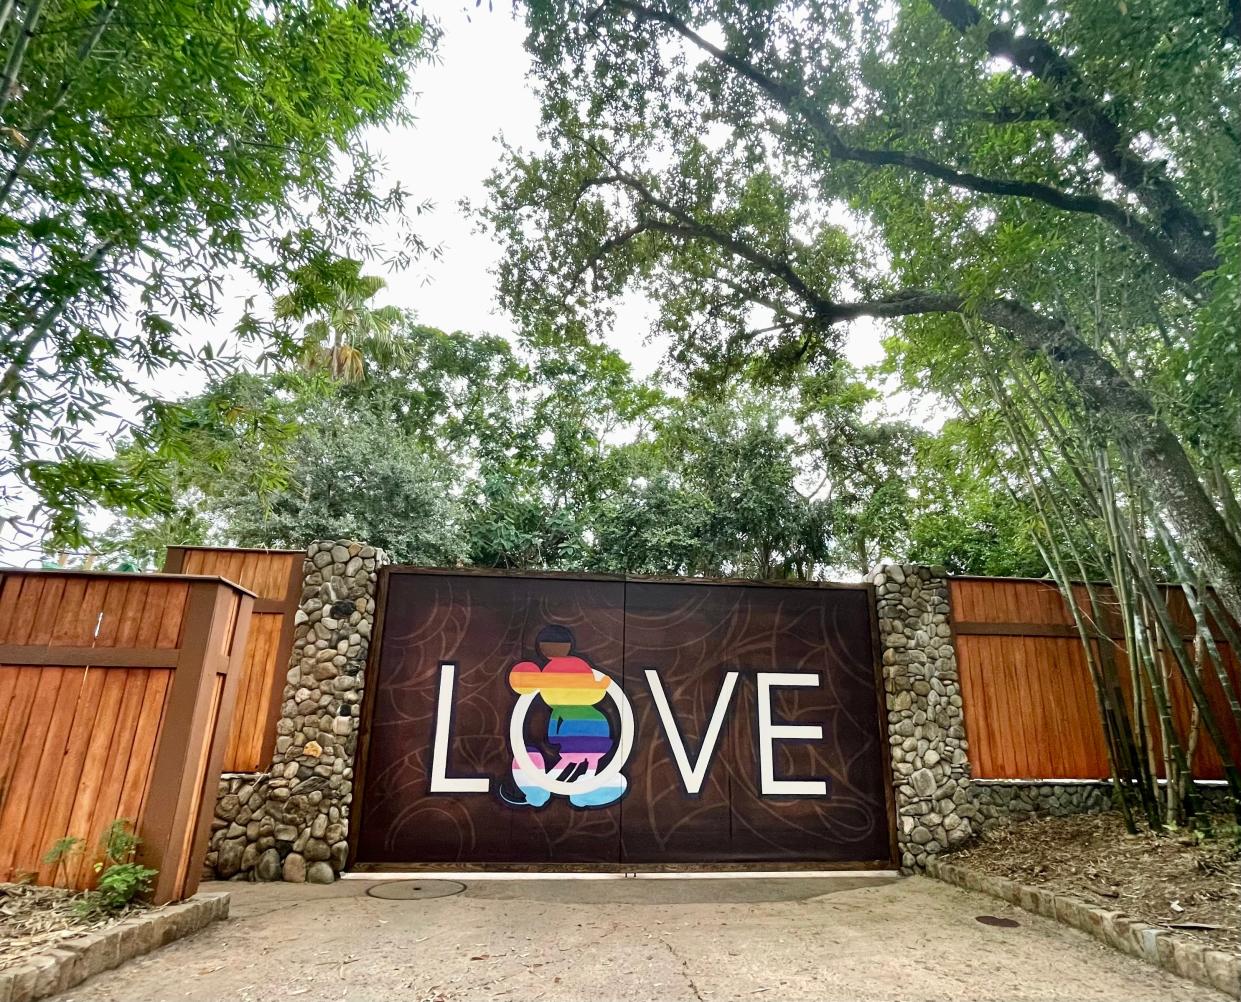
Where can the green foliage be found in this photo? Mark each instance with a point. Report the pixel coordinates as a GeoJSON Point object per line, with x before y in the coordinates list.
{"type": "Point", "coordinates": [1042, 200]}
{"type": "Point", "coordinates": [119, 886]}
{"type": "Point", "coordinates": [462, 450]}
{"type": "Point", "coordinates": [118, 843]}
{"type": "Point", "coordinates": [60, 850]}
{"type": "Point", "coordinates": [349, 476]}
{"type": "Point", "coordinates": [342, 327]}
{"type": "Point", "coordinates": [121, 880]}
{"type": "Point", "coordinates": [147, 148]}
{"type": "Point", "coordinates": [970, 518]}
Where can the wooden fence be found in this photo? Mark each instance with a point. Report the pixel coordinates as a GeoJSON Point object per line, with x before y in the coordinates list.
{"type": "Point", "coordinates": [113, 688]}
{"type": "Point", "coordinates": [1030, 708]}
{"type": "Point", "coordinates": [275, 577]}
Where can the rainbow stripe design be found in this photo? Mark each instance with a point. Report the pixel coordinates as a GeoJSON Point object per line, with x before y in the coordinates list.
{"type": "Point", "coordinates": [571, 688]}
{"type": "Point", "coordinates": [565, 681]}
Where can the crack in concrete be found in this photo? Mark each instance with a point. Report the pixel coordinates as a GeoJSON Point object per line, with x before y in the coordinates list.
{"type": "Point", "coordinates": [689, 978]}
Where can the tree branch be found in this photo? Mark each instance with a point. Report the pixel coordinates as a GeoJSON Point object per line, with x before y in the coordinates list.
{"type": "Point", "coordinates": [685, 225]}
{"type": "Point", "coordinates": [1146, 180]}
{"type": "Point", "coordinates": [1163, 247]}
{"type": "Point", "coordinates": [1125, 410]}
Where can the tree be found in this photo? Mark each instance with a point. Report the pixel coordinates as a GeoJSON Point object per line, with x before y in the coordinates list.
{"type": "Point", "coordinates": [867, 469]}
{"type": "Point", "coordinates": [463, 449]}
{"type": "Point", "coordinates": [712, 492]}
{"type": "Point", "coordinates": [148, 149]}
{"type": "Point", "coordinates": [967, 514]}
{"type": "Point", "coordinates": [1083, 168]}
{"type": "Point", "coordinates": [346, 327]}
{"type": "Point", "coordinates": [354, 479]}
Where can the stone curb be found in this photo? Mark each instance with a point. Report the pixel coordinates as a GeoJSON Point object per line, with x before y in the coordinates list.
{"type": "Point", "coordinates": [72, 961]}
{"type": "Point", "coordinates": [1155, 945]}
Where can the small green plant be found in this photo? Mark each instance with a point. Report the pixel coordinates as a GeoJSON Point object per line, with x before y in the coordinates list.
{"type": "Point", "coordinates": [120, 884]}
{"type": "Point", "coordinates": [57, 856]}
{"type": "Point", "coordinates": [121, 880]}
{"type": "Point", "coordinates": [118, 843]}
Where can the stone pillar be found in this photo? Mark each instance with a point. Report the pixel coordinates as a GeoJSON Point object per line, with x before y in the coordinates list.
{"type": "Point", "coordinates": [291, 823]}
{"type": "Point", "coordinates": [926, 728]}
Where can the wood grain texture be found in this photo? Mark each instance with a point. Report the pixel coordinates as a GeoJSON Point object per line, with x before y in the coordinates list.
{"type": "Point", "coordinates": [86, 663]}
{"type": "Point", "coordinates": [275, 578]}
{"type": "Point", "coordinates": [1030, 707]}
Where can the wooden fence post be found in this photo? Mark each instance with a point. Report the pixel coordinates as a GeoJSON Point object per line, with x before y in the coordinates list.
{"type": "Point", "coordinates": [199, 708]}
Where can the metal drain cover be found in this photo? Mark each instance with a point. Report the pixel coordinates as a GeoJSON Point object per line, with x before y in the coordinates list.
{"type": "Point", "coordinates": [413, 890]}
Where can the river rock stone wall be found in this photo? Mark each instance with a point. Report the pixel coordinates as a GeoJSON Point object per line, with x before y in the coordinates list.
{"type": "Point", "coordinates": [292, 821]}
{"type": "Point", "coordinates": [1001, 802]}
{"type": "Point", "coordinates": [926, 727]}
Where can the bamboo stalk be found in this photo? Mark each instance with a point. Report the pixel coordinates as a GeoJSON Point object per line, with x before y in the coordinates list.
{"type": "Point", "coordinates": [13, 65]}
{"type": "Point", "coordinates": [1114, 724]}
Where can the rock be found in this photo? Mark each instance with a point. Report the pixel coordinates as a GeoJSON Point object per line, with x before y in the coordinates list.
{"type": "Point", "coordinates": [228, 859]}
{"type": "Point", "coordinates": [317, 850]}
{"type": "Point", "coordinates": [268, 867]}
{"type": "Point", "coordinates": [294, 871]}
{"type": "Point", "coordinates": [300, 803]}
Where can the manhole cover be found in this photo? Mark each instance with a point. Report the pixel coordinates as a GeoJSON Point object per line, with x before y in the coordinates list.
{"type": "Point", "coordinates": [412, 890]}
{"type": "Point", "coordinates": [995, 920]}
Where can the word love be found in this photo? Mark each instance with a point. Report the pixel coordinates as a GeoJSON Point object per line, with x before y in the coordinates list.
{"type": "Point", "coordinates": [692, 769]}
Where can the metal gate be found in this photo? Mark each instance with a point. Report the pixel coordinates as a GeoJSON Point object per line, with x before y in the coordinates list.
{"type": "Point", "coordinates": [558, 719]}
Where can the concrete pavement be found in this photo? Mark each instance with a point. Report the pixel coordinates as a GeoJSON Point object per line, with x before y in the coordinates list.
{"type": "Point", "coordinates": [694, 940]}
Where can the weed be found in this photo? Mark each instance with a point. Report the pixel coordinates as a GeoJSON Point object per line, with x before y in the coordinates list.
{"type": "Point", "coordinates": [121, 881]}
{"type": "Point", "coordinates": [58, 855]}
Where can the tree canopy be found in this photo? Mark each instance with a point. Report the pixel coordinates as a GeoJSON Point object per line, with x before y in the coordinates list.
{"type": "Point", "coordinates": [148, 149]}
{"type": "Point", "coordinates": [1061, 176]}
{"type": "Point", "coordinates": [1038, 202]}
{"type": "Point", "coordinates": [461, 449]}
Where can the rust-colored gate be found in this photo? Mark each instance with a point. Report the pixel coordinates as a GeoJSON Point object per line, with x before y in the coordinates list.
{"type": "Point", "coordinates": [552, 719]}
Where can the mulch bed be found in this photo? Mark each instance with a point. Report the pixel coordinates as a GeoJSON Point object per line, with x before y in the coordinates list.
{"type": "Point", "coordinates": [34, 919]}
{"type": "Point", "coordinates": [1190, 886]}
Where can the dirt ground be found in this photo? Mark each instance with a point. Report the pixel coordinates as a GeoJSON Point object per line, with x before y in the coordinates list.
{"type": "Point", "coordinates": [33, 919]}
{"type": "Point", "coordinates": [1191, 886]}
{"type": "Point", "coordinates": [679, 940]}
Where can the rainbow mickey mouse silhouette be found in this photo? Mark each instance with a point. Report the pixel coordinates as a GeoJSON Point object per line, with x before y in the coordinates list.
{"type": "Point", "coordinates": [571, 687]}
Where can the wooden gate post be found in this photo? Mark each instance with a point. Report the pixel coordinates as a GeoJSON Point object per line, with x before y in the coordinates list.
{"type": "Point", "coordinates": [177, 822]}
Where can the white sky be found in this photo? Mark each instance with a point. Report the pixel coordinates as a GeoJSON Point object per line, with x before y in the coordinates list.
{"type": "Point", "coordinates": [475, 90]}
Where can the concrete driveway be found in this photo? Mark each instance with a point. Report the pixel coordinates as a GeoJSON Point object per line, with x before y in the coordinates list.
{"type": "Point", "coordinates": [703, 940]}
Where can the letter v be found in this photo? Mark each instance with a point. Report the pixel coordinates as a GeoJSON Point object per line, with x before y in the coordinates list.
{"type": "Point", "coordinates": [692, 776]}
